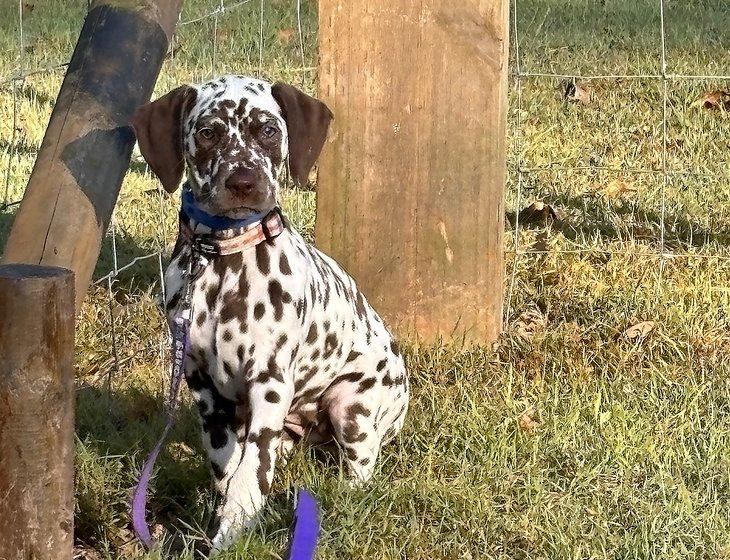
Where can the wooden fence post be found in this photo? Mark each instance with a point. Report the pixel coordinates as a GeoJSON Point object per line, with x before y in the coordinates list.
{"type": "Point", "coordinates": [410, 188]}
{"type": "Point", "coordinates": [36, 412]}
{"type": "Point", "coordinates": [88, 143]}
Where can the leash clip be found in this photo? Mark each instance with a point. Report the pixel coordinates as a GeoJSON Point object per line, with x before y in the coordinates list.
{"type": "Point", "coordinates": [205, 248]}
{"type": "Point", "coordinates": [196, 264]}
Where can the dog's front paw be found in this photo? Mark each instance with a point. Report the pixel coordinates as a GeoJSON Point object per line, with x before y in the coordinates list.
{"type": "Point", "coordinates": [232, 524]}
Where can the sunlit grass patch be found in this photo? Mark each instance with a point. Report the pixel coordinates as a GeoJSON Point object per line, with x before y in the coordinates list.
{"type": "Point", "coordinates": [568, 438]}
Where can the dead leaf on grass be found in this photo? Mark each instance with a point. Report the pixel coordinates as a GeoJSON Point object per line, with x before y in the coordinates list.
{"type": "Point", "coordinates": [180, 450]}
{"type": "Point", "coordinates": [85, 553]}
{"type": "Point", "coordinates": [639, 331]}
{"type": "Point", "coordinates": [157, 531]}
{"type": "Point", "coordinates": [575, 93]}
{"type": "Point", "coordinates": [539, 213]}
{"type": "Point", "coordinates": [28, 8]}
{"type": "Point", "coordinates": [617, 187]}
{"type": "Point", "coordinates": [285, 35]}
{"type": "Point", "coordinates": [717, 99]}
{"type": "Point", "coordinates": [529, 420]}
{"type": "Point", "coordinates": [126, 542]}
{"type": "Point", "coordinates": [529, 323]}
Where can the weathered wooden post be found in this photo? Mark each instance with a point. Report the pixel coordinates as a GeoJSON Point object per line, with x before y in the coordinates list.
{"type": "Point", "coordinates": [36, 412]}
{"type": "Point", "coordinates": [410, 188]}
{"type": "Point", "coordinates": [65, 210]}
{"type": "Point", "coordinates": [85, 153]}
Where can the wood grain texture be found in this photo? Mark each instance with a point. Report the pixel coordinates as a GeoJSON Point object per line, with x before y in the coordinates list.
{"type": "Point", "coordinates": [411, 182]}
{"type": "Point", "coordinates": [86, 150]}
{"type": "Point", "coordinates": [36, 412]}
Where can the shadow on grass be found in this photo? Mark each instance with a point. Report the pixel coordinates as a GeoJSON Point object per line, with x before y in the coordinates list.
{"type": "Point", "coordinates": [591, 219]}
{"type": "Point", "coordinates": [115, 431]}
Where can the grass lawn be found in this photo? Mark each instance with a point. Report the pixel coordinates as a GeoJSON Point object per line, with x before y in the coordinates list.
{"type": "Point", "coordinates": [568, 439]}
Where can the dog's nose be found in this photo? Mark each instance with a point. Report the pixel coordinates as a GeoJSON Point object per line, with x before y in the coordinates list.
{"type": "Point", "coordinates": [241, 181]}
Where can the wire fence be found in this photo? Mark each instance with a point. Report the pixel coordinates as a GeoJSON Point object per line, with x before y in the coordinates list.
{"type": "Point", "coordinates": [207, 20]}
{"type": "Point", "coordinates": [522, 170]}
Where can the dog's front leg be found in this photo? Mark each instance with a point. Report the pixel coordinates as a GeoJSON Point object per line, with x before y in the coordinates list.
{"type": "Point", "coordinates": [221, 425]}
{"type": "Point", "coordinates": [269, 401]}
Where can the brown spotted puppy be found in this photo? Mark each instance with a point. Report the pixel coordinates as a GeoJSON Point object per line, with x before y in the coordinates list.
{"type": "Point", "coordinates": [282, 344]}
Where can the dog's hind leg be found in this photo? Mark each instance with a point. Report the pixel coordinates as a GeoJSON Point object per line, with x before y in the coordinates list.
{"type": "Point", "coordinates": [352, 416]}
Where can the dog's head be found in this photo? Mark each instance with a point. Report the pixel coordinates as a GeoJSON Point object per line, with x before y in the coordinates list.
{"type": "Point", "coordinates": [234, 136]}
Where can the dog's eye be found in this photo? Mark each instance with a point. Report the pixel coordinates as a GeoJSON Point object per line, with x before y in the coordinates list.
{"type": "Point", "coordinates": [269, 131]}
{"type": "Point", "coordinates": [206, 133]}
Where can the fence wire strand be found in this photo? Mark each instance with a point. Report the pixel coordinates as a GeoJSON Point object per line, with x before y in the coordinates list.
{"type": "Point", "coordinates": [665, 175]}
{"type": "Point", "coordinates": [518, 150]}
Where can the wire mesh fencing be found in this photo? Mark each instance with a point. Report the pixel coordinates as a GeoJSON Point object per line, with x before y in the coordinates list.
{"type": "Point", "coordinates": [619, 147]}
{"type": "Point", "coordinates": [273, 40]}
{"type": "Point", "coordinates": [618, 151]}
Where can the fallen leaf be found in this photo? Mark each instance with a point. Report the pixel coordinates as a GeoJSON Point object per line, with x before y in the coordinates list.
{"type": "Point", "coordinates": [85, 553]}
{"type": "Point", "coordinates": [285, 35]}
{"type": "Point", "coordinates": [529, 420]}
{"type": "Point", "coordinates": [639, 330]}
{"type": "Point", "coordinates": [123, 538]}
{"type": "Point", "coordinates": [575, 93]}
{"type": "Point", "coordinates": [180, 450]}
{"type": "Point", "coordinates": [617, 187]}
{"type": "Point", "coordinates": [539, 213]}
{"type": "Point", "coordinates": [28, 8]}
{"type": "Point", "coordinates": [157, 531]}
{"type": "Point", "coordinates": [529, 322]}
{"type": "Point", "coordinates": [717, 99]}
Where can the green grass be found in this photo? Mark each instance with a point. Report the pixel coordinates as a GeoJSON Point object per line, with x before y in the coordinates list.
{"type": "Point", "coordinates": [566, 439]}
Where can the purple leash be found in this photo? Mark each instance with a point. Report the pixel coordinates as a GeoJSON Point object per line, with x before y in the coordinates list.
{"type": "Point", "coordinates": [139, 501]}
{"type": "Point", "coordinates": [305, 529]}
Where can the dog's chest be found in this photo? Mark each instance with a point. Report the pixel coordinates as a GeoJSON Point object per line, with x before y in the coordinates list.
{"type": "Point", "coordinates": [244, 306]}
{"type": "Point", "coordinates": [278, 310]}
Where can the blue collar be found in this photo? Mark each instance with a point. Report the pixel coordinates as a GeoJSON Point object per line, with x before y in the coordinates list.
{"type": "Point", "coordinates": [216, 223]}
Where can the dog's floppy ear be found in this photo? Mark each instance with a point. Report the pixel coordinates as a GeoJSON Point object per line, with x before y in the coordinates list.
{"type": "Point", "coordinates": [307, 120]}
{"type": "Point", "coordinates": [158, 126]}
